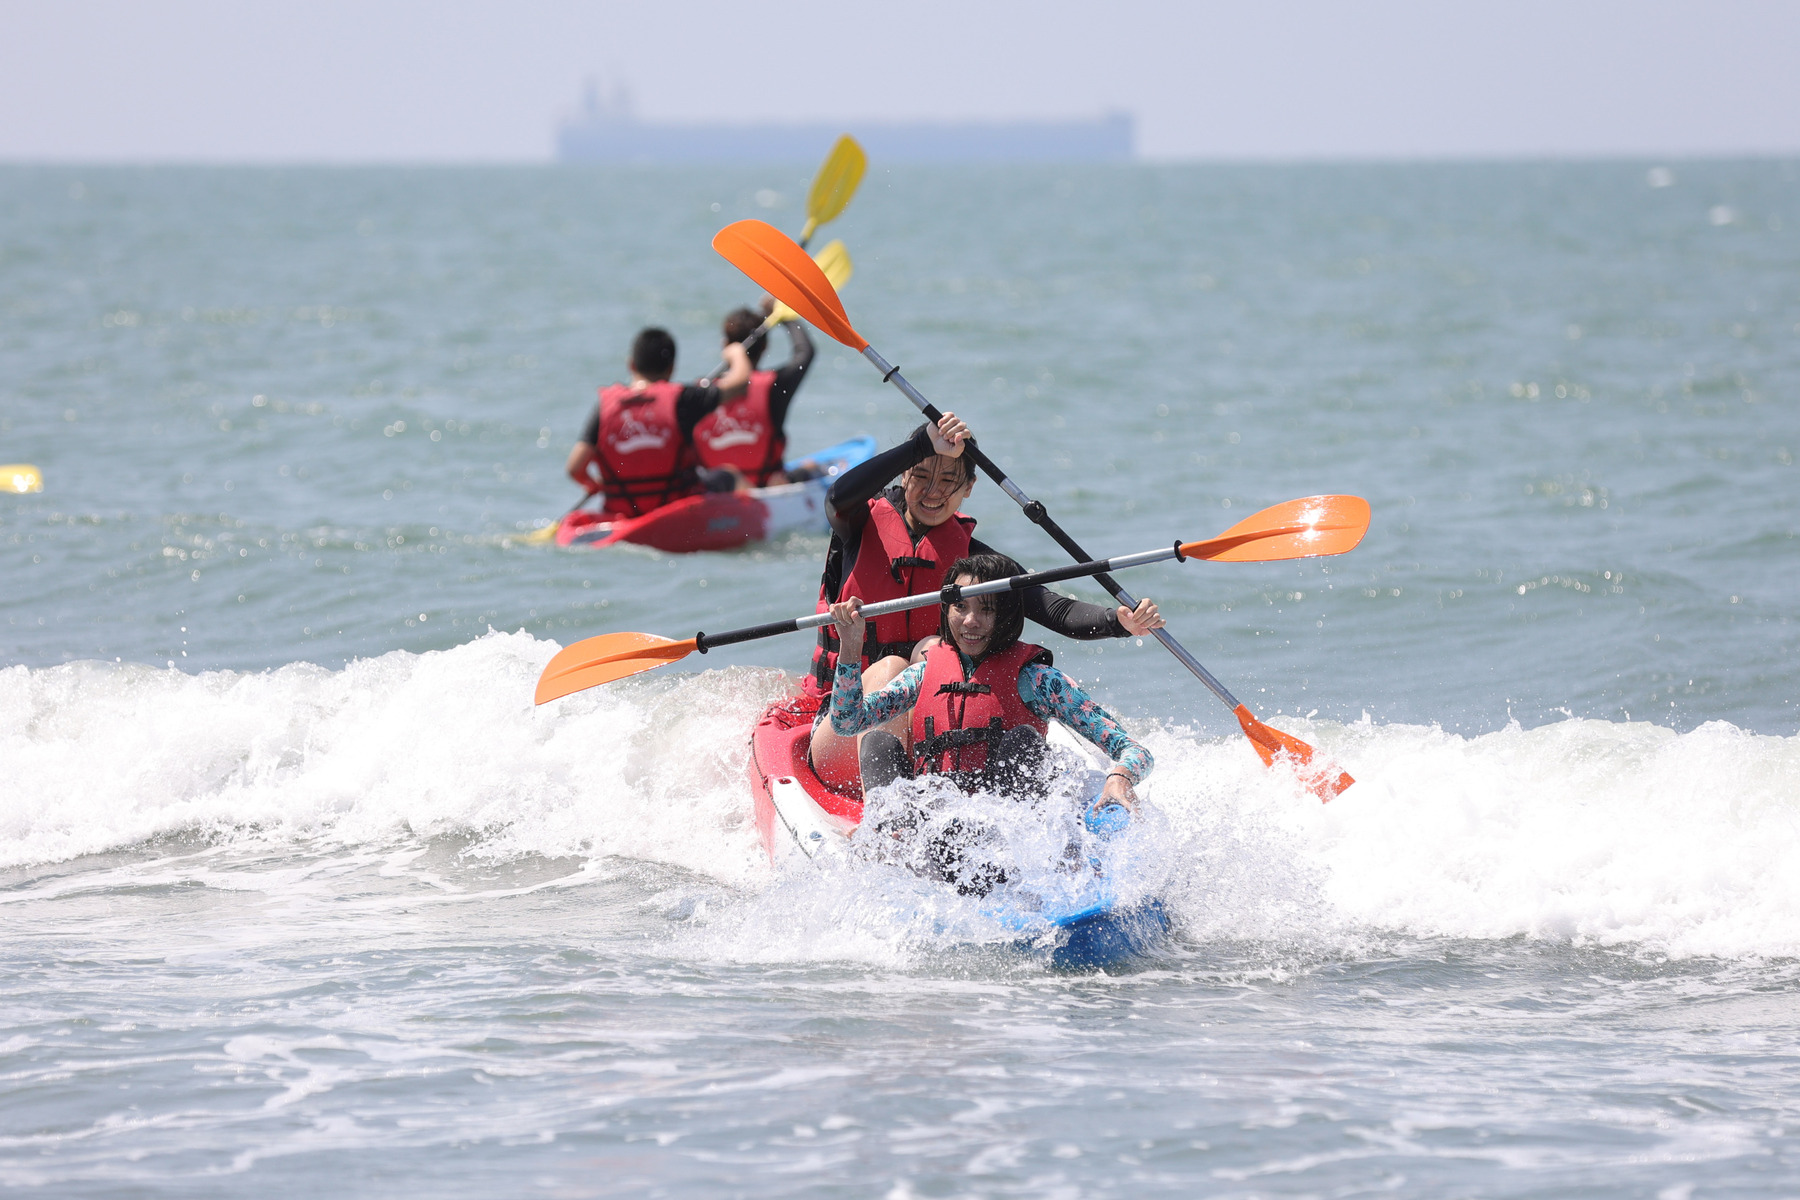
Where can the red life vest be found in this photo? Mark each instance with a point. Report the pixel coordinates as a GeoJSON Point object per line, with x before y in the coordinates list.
{"type": "Point", "coordinates": [644, 461]}
{"type": "Point", "coordinates": [890, 565]}
{"type": "Point", "coordinates": [740, 433]}
{"type": "Point", "coordinates": [959, 718]}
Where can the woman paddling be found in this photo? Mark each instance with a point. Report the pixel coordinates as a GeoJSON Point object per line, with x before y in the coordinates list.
{"type": "Point", "coordinates": [892, 541]}
{"type": "Point", "coordinates": [981, 699]}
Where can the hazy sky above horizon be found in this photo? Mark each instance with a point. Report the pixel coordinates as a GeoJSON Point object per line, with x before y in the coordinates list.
{"type": "Point", "coordinates": [459, 81]}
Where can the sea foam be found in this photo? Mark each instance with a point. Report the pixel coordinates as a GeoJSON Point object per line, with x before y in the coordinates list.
{"type": "Point", "coordinates": [102, 757]}
{"type": "Point", "coordinates": [1581, 831]}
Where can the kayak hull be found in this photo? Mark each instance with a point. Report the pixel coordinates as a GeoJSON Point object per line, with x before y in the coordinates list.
{"type": "Point", "coordinates": [1108, 938]}
{"type": "Point", "coordinates": [799, 816]}
{"type": "Point", "coordinates": [724, 520]}
{"type": "Point", "coordinates": [785, 790]}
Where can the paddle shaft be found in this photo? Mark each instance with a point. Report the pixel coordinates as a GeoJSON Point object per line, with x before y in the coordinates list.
{"type": "Point", "coordinates": [768, 325]}
{"type": "Point", "coordinates": [948, 594]}
{"type": "Point", "coordinates": [756, 335]}
{"type": "Point", "coordinates": [1039, 516]}
{"type": "Point", "coordinates": [549, 531]}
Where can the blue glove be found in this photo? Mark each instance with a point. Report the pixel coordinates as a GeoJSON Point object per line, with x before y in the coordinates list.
{"type": "Point", "coordinates": [1107, 819]}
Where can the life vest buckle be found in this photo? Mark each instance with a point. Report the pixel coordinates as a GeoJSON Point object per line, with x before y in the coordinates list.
{"type": "Point", "coordinates": [908, 560]}
{"type": "Point", "coordinates": [933, 746]}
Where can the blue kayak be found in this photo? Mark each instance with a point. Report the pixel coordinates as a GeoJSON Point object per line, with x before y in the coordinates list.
{"type": "Point", "coordinates": [1089, 933]}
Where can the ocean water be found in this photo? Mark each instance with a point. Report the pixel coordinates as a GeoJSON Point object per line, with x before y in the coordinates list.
{"type": "Point", "coordinates": [301, 895]}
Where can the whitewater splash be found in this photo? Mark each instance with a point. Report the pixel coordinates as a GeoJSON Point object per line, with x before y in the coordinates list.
{"type": "Point", "coordinates": [405, 746]}
{"type": "Point", "coordinates": [1583, 831]}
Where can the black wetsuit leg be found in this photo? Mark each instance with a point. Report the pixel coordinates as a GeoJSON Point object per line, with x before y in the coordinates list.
{"type": "Point", "coordinates": [1015, 767]}
{"type": "Point", "coordinates": [883, 759]}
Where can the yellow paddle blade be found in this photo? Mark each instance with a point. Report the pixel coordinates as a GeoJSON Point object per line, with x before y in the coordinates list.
{"type": "Point", "coordinates": [781, 268]}
{"type": "Point", "coordinates": [23, 477]}
{"type": "Point", "coordinates": [834, 260]}
{"type": "Point", "coordinates": [540, 537]}
{"type": "Point", "coordinates": [602, 659]}
{"type": "Point", "coordinates": [1310, 528]}
{"type": "Point", "coordinates": [835, 183]}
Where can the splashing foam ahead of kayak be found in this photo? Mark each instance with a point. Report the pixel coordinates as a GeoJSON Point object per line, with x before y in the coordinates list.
{"type": "Point", "coordinates": [1583, 831]}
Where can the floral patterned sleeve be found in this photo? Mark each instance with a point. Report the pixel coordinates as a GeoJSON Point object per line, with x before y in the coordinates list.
{"type": "Point", "coordinates": [852, 712]}
{"type": "Point", "coordinates": [1053, 696]}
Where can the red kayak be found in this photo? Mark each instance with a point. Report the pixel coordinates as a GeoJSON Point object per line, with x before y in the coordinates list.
{"type": "Point", "coordinates": [794, 807]}
{"type": "Point", "coordinates": [725, 520]}
{"type": "Point", "coordinates": [717, 521]}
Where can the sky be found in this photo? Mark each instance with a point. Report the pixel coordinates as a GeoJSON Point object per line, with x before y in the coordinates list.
{"type": "Point", "coordinates": [466, 81]}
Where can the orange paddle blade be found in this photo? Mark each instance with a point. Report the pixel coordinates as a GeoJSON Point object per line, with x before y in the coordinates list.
{"type": "Point", "coordinates": [1270, 742]}
{"type": "Point", "coordinates": [1308, 528]}
{"type": "Point", "coordinates": [597, 660]}
{"type": "Point", "coordinates": [777, 263]}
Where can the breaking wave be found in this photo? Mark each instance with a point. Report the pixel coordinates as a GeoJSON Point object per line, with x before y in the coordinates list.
{"type": "Point", "coordinates": [1584, 831]}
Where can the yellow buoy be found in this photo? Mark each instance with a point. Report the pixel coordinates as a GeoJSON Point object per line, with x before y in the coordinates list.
{"type": "Point", "coordinates": [21, 478]}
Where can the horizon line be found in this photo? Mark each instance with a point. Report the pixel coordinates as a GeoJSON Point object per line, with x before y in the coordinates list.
{"type": "Point", "coordinates": [1349, 158]}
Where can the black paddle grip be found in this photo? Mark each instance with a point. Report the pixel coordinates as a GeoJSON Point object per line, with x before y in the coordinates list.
{"type": "Point", "coordinates": [731, 637]}
{"type": "Point", "coordinates": [1052, 575]}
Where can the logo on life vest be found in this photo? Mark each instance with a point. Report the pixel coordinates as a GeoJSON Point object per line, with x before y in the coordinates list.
{"type": "Point", "coordinates": [634, 435]}
{"type": "Point", "coordinates": [728, 431]}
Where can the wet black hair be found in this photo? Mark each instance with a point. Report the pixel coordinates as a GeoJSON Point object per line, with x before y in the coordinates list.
{"type": "Point", "coordinates": [653, 353]}
{"type": "Point", "coordinates": [1009, 609]}
{"type": "Point", "coordinates": [965, 461]}
{"type": "Point", "coordinates": [740, 323]}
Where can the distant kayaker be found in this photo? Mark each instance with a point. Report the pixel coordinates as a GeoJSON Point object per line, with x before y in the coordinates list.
{"type": "Point", "coordinates": [892, 541]}
{"type": "Point", "coordinates": [981, 700]}
{"type": "Point", "coordinates": [638, 446]}
{"type": "Point", "coordinates": [747, 432]}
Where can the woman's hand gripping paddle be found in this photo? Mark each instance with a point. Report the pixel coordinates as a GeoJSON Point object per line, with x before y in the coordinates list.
{"type": "Point", "coordinates": [782, 268]}
{"type": "Point", "coordinates": [1308, 528]}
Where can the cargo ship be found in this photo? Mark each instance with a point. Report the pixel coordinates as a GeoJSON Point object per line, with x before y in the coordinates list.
{"type": "Point", "coordinates": [607, 130]}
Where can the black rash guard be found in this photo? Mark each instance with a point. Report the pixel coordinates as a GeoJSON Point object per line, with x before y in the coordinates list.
{"type": "Point", "coordinates": [847, 509]}
{"type": "Point", "coordinates": [695, 401]}
{"type": "Point", "coordinates": [698, 399]}
{"type": "Point", "coordinates": [788, 376]}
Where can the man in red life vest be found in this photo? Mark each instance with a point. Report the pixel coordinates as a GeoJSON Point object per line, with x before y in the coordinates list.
{"type": "Point", "coordinates": [892, 541]}
{"type": "Point", "coordinates": [638, 446]}
{"type": "Point", "coordinates": [747, 432]}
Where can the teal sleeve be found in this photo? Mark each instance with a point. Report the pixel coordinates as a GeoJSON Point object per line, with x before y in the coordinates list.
{"type": "Point", "coordinates": [1050, 694]}
{"type": "Point", "coordinates": [852, 712]}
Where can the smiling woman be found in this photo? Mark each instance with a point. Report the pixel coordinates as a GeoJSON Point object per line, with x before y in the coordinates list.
{"type": "Point", "coordinates": [977, 702]}
{"type": "Point", "coordinates": [889, 542]}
